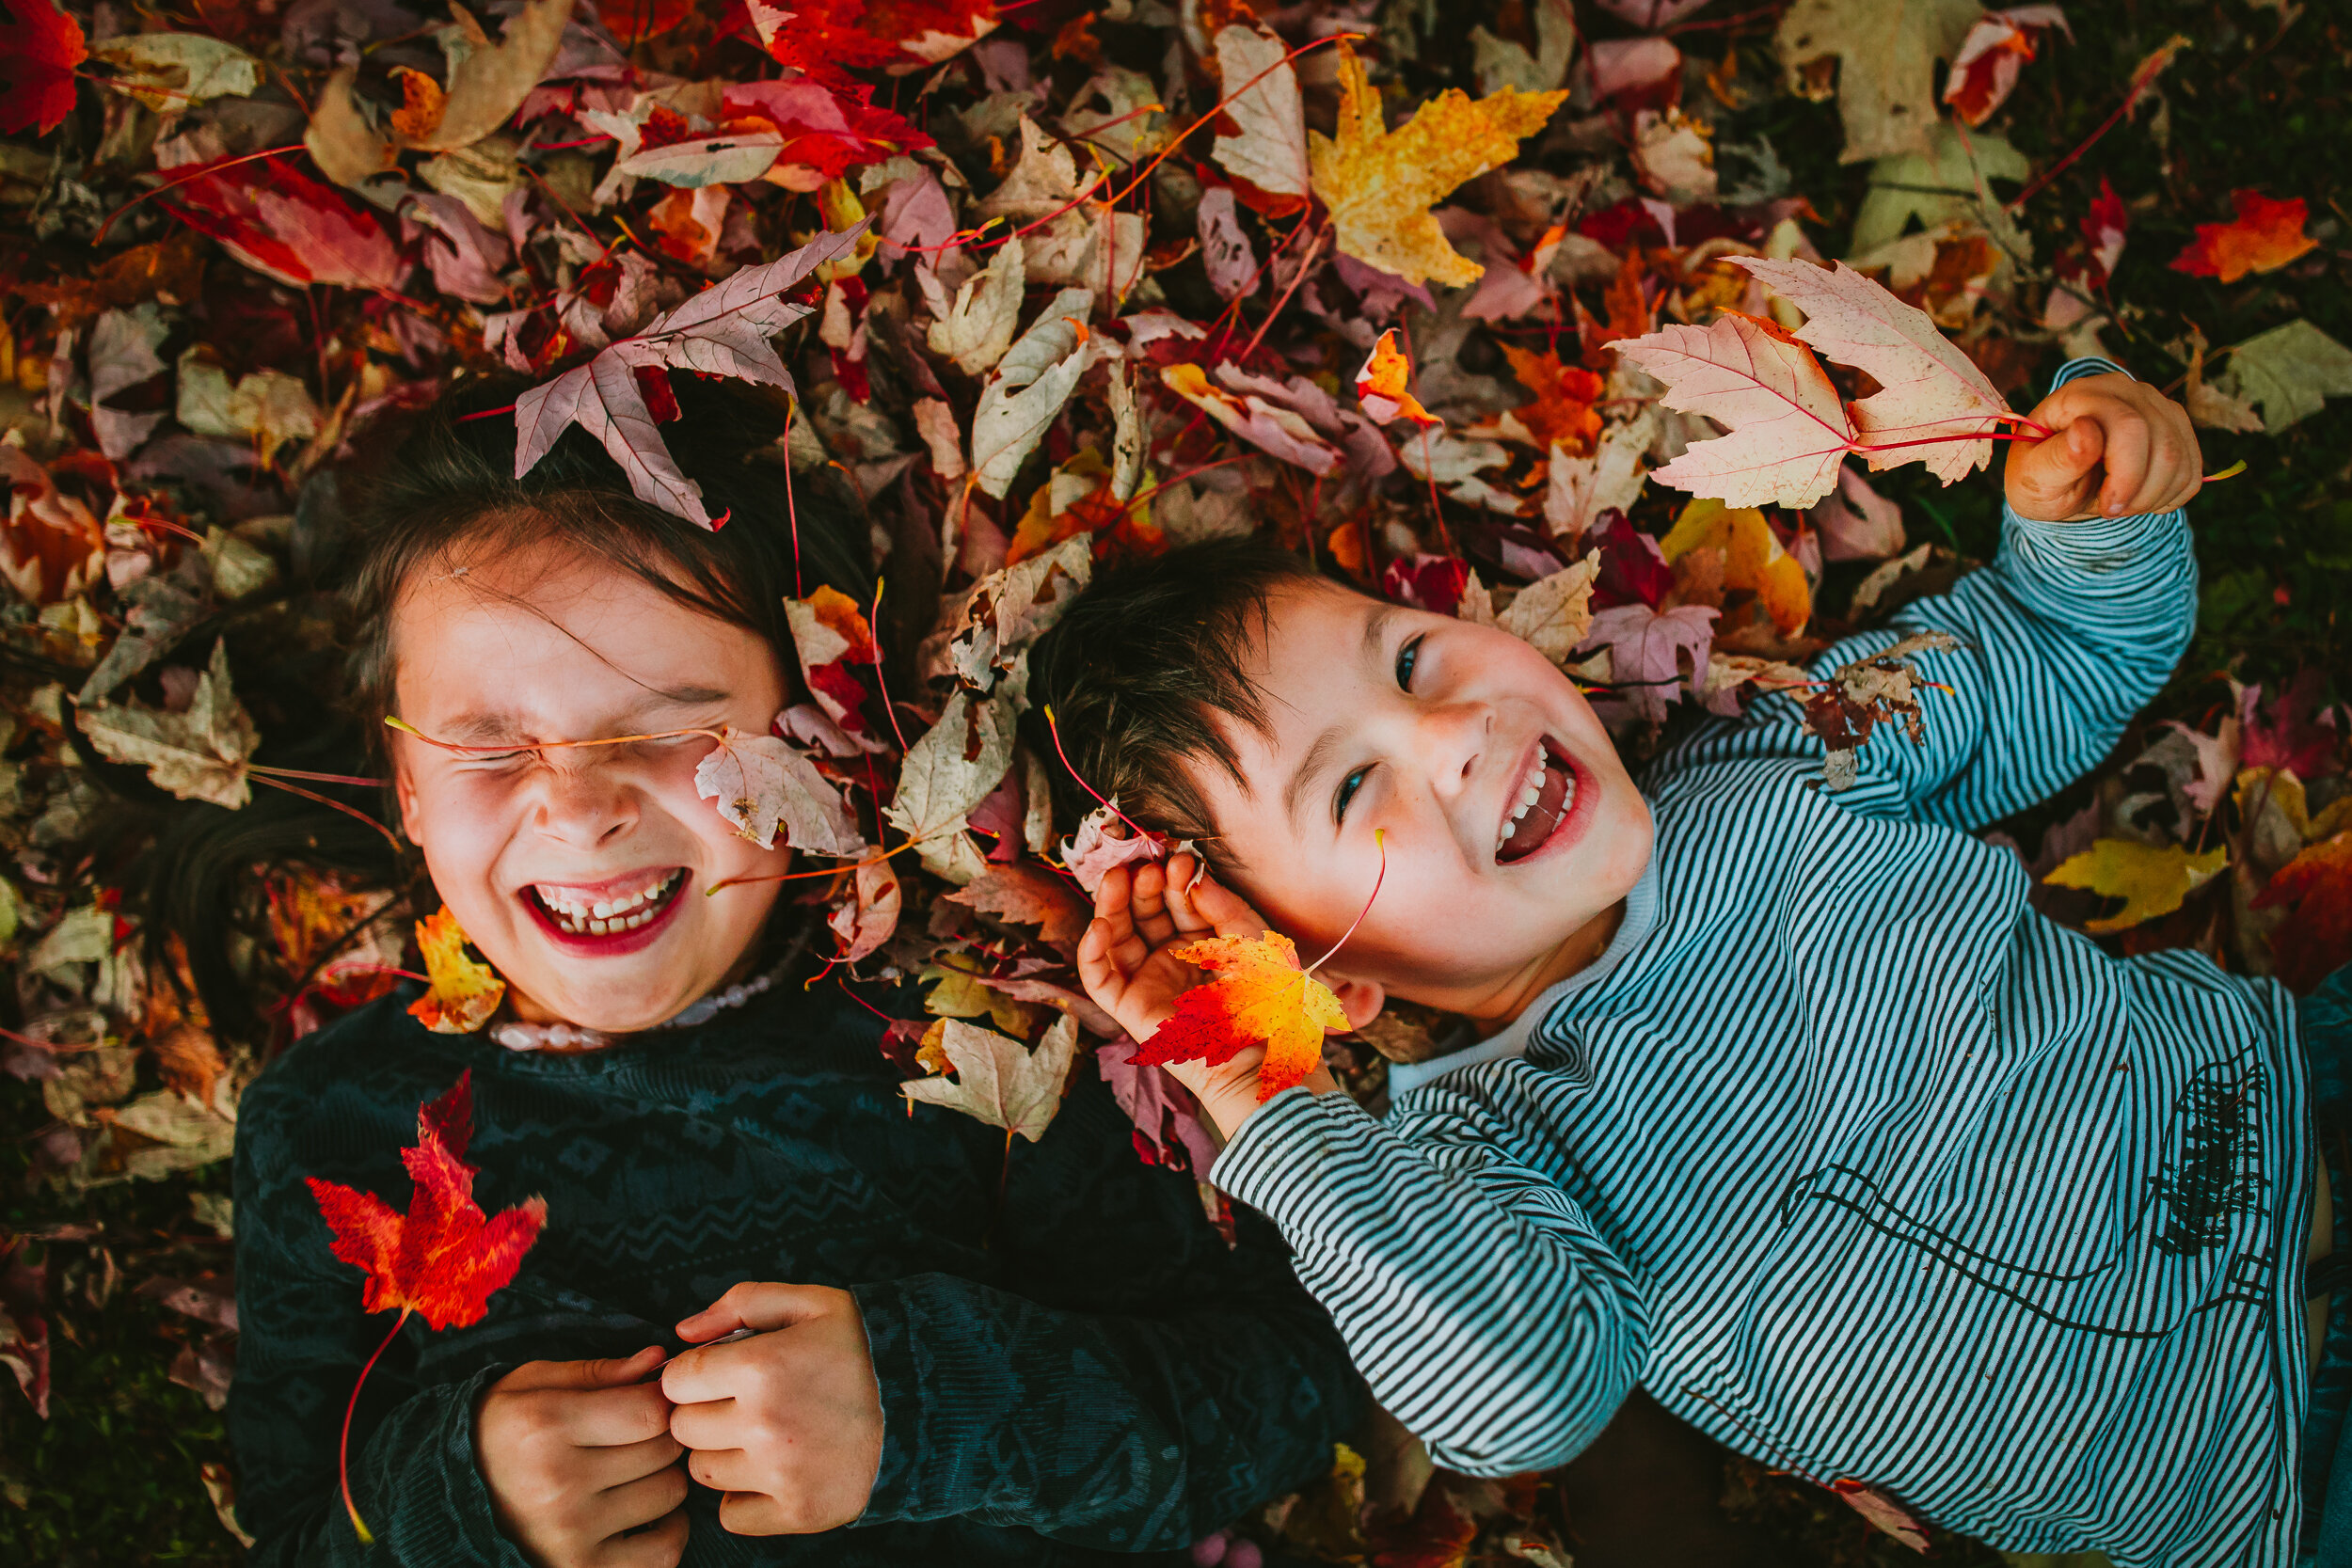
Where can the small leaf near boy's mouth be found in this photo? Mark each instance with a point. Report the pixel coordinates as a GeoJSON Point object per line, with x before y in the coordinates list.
{"type": "Point", "coordinates": [1544, 794]}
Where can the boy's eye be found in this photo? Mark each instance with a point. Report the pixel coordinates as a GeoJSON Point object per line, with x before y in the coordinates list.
{"type": "Point", "coordinates": [1408, 659]}
{"type": "Point", "coordinates": [1348, 786]}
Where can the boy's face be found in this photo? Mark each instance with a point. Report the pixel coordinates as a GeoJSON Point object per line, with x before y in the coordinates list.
{"type": "Point", "coordinates": [1435, 733]}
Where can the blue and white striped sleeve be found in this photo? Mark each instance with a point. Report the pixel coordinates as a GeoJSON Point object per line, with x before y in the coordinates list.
{"type": "Point", "coordinates": [1478, 1301]}
{"type": "Point", "coordinates": [2073, 629]}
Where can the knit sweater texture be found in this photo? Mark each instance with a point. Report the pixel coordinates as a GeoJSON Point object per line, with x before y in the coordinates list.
{"type": "Point", "coordinates": [1074, 1367]}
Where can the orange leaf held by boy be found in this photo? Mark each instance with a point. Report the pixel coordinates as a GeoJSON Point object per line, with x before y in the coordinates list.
{"type": "Point", "coordinates": [465, 992]}
{"type": "Point", "coordinates": [1260, 997]}
{"type": "Point", "coordinates": [444, 1258]}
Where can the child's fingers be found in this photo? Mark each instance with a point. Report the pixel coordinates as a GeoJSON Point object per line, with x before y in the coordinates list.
{"type": "Point", "coordinates": [1105, 979]}
{"type": "Point", "coordinates": [2129, 446]}
{"type": "Point", "coordinates": [1226, 911]}
{"type": "Point", "coordinates": [1151, 905]}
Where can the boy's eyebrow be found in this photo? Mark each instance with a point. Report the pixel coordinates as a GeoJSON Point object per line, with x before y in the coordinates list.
{"type": "Point", "coordinates": [1319, 755]}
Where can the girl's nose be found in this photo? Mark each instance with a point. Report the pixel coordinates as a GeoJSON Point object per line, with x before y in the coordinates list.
{"type": "Point", "coordinates": [584, 807]}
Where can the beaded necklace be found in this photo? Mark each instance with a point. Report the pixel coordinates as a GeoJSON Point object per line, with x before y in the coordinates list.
{"type": "Point", "coordinates": [568, 1038]}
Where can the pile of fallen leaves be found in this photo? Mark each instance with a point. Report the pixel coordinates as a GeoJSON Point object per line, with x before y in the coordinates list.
{"type": "Point", "coordinates": [1035, 286]}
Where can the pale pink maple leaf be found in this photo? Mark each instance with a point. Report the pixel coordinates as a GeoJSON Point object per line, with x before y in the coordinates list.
{"type": "Point", "coordinates": [1930, 389]}
{"type": "Point", "coordinates": [1788, 429]}
{"type": "Point", "coordinates": [764, 786]}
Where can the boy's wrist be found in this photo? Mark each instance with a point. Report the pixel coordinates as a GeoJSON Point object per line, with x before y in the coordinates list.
{"type": "Point", "coordinates": [1232, 1105]}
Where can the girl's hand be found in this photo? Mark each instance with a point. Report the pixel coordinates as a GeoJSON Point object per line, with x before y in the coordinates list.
{"type": "Point", "coordinates": [577, 1455]}
{"type": "Point", "coordinates": [787, 1424]}
{"type": "Point", "coordinates": [2121, 448]}
{"type": "Point", "coordinates": [1124, 963]}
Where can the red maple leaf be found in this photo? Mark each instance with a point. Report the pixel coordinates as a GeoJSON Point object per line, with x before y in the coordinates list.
{"type": "Point", "coordinates": [2264, 236]}
{"type": "Point", "coordinates": [2316, 939]}
{"type": "Point", "coordinates": [285, 225]}
{"type": "Point", "coordinates": [443, 1259]}
{"type": "Point", "coordinates": [38, 54]}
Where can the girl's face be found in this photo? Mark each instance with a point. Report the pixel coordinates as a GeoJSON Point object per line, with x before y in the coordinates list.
{"type": "Point", "coordinates": [583, 873]}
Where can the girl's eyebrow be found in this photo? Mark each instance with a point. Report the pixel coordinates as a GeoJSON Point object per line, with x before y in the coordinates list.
{"type": "Point", "coordinates": [480, 729]}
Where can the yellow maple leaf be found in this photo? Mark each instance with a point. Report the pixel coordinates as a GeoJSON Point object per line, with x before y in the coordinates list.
{"type": "Point", "coordinates": [1380, 184]}
{"type": "Point", "coordinates": [1753, 560]}
{"type": "Point", "coordinates": [2152, 881]}
{"type": "Point", "coordinates": [465, 993]}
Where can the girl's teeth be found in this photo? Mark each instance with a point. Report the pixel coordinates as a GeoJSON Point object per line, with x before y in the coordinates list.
{"type": "Point", "coordinates": [607, 917]}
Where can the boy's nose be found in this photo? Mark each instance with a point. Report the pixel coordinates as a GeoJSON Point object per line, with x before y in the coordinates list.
{"type": "Point", "coordinates": [1454, 736]}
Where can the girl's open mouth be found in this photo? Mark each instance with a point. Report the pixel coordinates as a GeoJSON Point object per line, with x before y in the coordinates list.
{"type": "Point", "coordinates": [595, 921]}
{"type": "Point", "coordinates": [1547, 796]}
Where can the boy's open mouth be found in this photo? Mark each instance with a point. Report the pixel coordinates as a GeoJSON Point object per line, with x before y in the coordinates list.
{"type": "Point", "coordinates": [619, 915]}
{"type": "Point", "coordinates": [1545, 794]}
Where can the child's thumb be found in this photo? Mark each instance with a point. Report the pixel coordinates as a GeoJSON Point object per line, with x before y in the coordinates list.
{"type": "Point", "coordinates": [583, 1376]}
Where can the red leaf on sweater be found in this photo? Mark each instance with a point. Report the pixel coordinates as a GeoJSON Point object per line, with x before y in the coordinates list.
{"type": "Point", "coordinates": [38, 54]}
{"type": "Point", "coordinates": [287, 226]}
{"type": "Point", "coordinates": [444, 1257]}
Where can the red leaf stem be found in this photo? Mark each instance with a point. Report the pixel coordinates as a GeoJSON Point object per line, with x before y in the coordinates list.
{"type": "Point", "coordinates": [343, 1448]}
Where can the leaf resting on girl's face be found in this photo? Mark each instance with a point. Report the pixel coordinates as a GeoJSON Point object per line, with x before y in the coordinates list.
{"type": "Point", "coordinates": [764, 786]}
{"type": "Point", "coordinates": [443, 1259]}
{"type": "Point", "coordinates": [1260, 997]}
{"type": "Point", "coordinates": [998, 1079]}
{"type": "Point", "coordinates": [464, 992]}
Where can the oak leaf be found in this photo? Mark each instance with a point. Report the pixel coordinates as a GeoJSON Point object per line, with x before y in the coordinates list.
{"type": "Point", "coordinates": [444, 1257]}
{"type": "Point", "coordinates": [463, 992]}
{"type": "Point", "coordinates": [1886, 53]}
{"type": "Point", "coordinates": [200, 753]}
{"type": "Point", "coordinates": [1380, 184]}
{"type": "Point", "coordinates": [998, 1079]}
{"type": "Point", "coordinates": [2151, 881]}
{"type": "Point", "coordinates": [721, 331]}
{"type": "Point", "coordinates": [1259, 997]}
{"type": "Point", "coordinates": [764, 786]}
{"type": "Point", "coordinates": [2264, 236]}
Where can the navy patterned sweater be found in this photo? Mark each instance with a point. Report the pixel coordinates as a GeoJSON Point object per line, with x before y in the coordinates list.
{"type": "Point", "coordinates": [1080, 1368]}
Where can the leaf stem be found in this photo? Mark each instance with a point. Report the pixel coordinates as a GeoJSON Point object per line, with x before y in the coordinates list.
{"type": "Point", "coordinates": [188, 179]}
{"type": "Point", "coordinates": [342, 1451]}
{"type": "Point", "coordinates": [873, 618]}
{"type": "Point", "coordinates": [1380, 840]}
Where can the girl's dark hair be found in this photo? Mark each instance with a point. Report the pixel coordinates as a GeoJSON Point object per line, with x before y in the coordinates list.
{"type": "Point", "coordinates": [1142, 669]}
{"type": "Point", "coordinates": [313, 660]}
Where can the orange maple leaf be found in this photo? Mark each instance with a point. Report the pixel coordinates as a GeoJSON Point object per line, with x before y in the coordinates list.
{"type": "Point", "coordinates": [1380, 385]}
{"type": "Point", "coordinates": [2316, 939]}
{"type": "Point", "coordinates": [2264, 236]}
{"type": "Point", "coordinates": [465, 992]}
{"type": "Point", "coordinates": [1260, 997]}
{"type": "Point", "coordinates": [1562, 413]}
{"type": "Point", "coordinates": [444, 1257]}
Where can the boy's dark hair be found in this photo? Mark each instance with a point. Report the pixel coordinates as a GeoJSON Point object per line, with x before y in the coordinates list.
{"type": "Point", "coordinates": [313, 662]}
{"type": "Point", "coordinates": [1140, 670]}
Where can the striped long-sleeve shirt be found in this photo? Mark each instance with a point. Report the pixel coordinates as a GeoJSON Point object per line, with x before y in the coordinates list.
{"type": "Point", "coordinates": [1849, 1156]}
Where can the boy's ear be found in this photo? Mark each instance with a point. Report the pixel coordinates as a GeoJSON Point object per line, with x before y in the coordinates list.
{"type": "Point", "coordinates": [1360, 1000]}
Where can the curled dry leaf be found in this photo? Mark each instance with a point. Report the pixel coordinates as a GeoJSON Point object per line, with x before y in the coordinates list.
{"type": "Point", "coordinates": [1866, 692]}
{"type": "Point", "coordinates": [1261, 423]}
{"type": "Point", "coordinates": [199, 753]}
{"type": "Point", "coordinates": [997, 1079]}
{"type": "Point", "coordinates": [871, 915]}
{"type": "Point", "coordinates": [463, 992]}
{"type": "Point", "coordinates": [1380, 385]}
{"type": "Point", "coordinates": [767, 786]}
{"type": "Point", "coordinates": [1031, 383]}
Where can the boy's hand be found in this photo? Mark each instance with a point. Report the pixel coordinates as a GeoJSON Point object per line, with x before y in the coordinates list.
{"type": "Point", "coordinates": [787, 1424]}
{"type": "Point", "coordinates": [1124, 963]}
{"type": "Point", "coordinates": [2120, 448]}
{"type": "Point", "coordinates": [577, 1455]}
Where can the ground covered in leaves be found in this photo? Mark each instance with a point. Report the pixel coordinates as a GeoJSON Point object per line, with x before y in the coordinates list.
{"type": "Point", "coordinates": [1124, 279]}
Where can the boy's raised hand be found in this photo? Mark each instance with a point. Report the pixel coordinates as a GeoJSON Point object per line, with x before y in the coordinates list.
{"type": "Point", "coordinates": [788, 1423]}
{"type": "Point", "coordinates": [2121, 448]}
{"type": "Point", "coordinates": [1140, 912]}
{"type": "Point", "coordinates": [577, 1455]}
